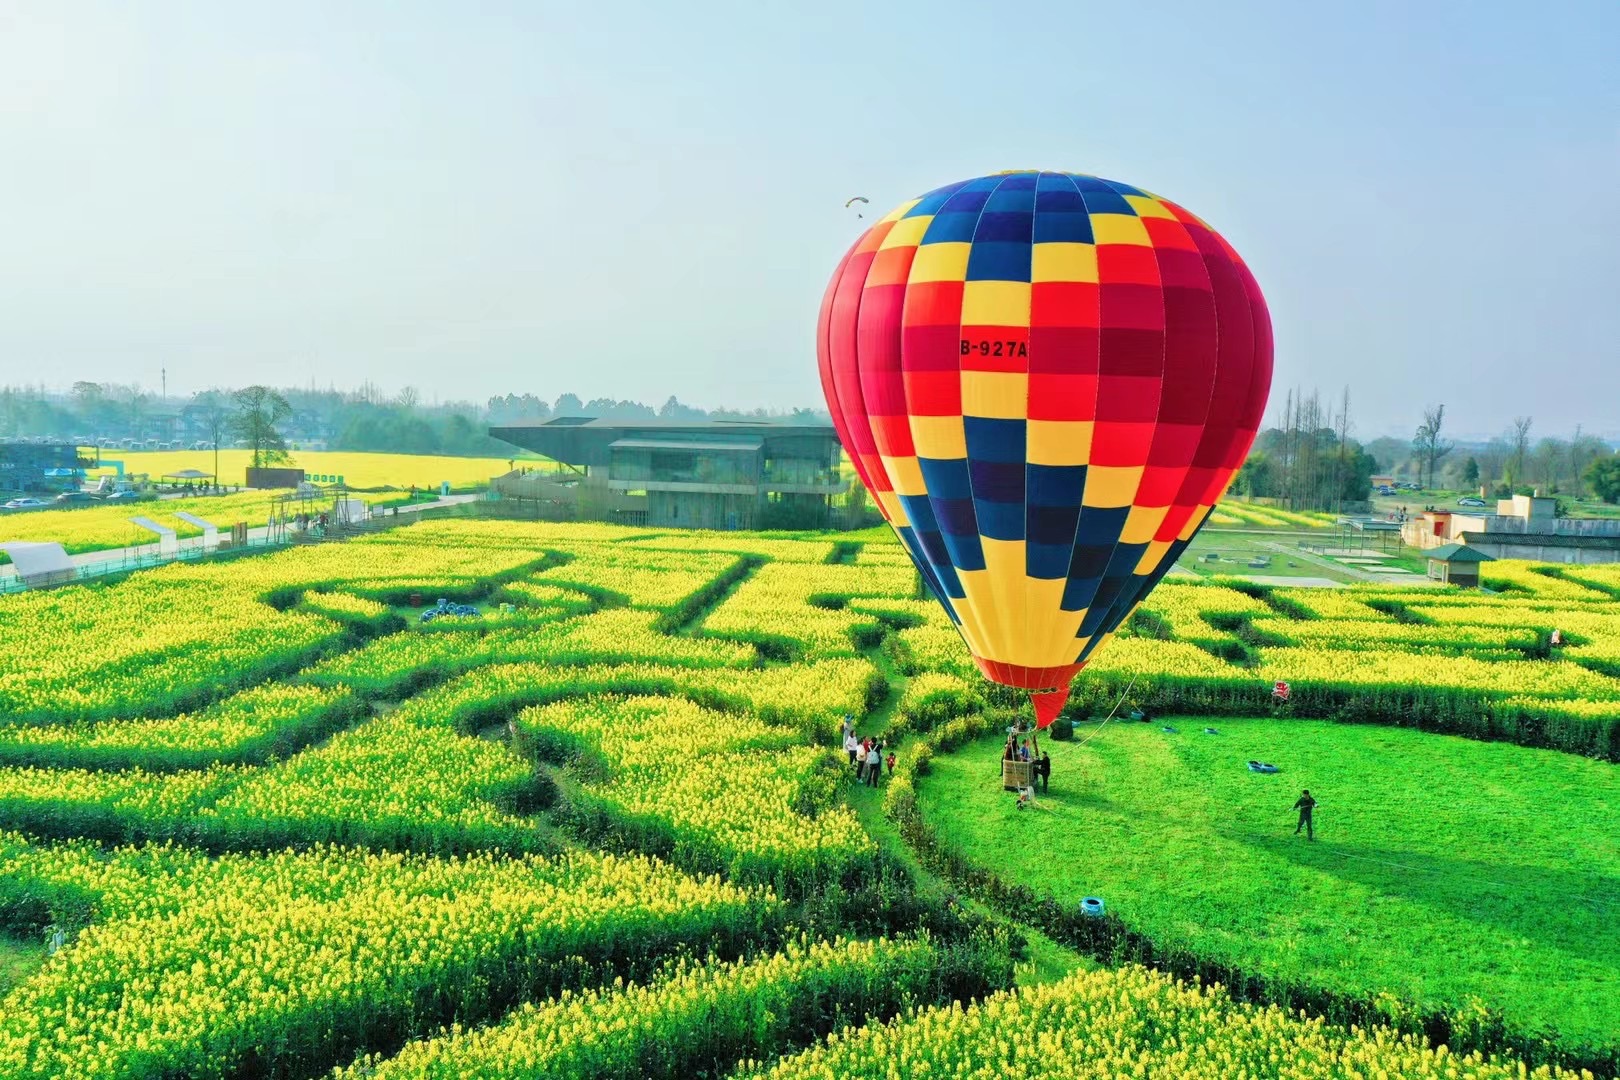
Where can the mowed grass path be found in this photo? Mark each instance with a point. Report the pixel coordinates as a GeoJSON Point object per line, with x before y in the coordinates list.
{"type": "Point", "coordinates": [1442, 867]}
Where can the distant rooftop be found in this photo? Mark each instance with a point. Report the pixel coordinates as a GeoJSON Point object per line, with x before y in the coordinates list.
{"type": "Point", "coordinates": [1457, 553]}
{"type": "Point", "coordinates": [587, 440]}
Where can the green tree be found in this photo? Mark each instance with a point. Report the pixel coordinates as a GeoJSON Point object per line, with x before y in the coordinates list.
{"type": "Point", "coordinates": [1471, 473]}
{"type": "Point", "coordinates": [1604, 477]}
{"type": "Point", "coordinates": [1255, 477]}
{"type": "Point", "coordinates": [258, 410]}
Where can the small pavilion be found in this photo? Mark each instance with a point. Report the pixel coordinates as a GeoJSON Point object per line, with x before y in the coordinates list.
{"type": "Point", "coordinates": [1456, 564]}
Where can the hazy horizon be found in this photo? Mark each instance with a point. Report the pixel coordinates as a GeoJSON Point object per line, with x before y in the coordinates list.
{"type": "Point", "coordinates": [642, 202]}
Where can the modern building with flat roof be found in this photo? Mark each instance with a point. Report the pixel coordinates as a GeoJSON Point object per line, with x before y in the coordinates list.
{"type": "Point", "coordinates": [1523, 527]}
{"type": "Point", "coordinates": [720, 474]}
{"type": "Point", "coordinates": [40, 467]}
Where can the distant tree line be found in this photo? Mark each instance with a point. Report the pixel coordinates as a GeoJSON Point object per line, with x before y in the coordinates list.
{"type": "Point", "coordinates": [515, 408]}
{"type": "Point", "coordinates": [1308, 460]}
{"type": "Point", "coordinates": [1514, 462]}
{"type": "Point", "coordinates": [279, 418]}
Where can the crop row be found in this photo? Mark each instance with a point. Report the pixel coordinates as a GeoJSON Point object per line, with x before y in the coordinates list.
{"type": "Point", "coordinates": [700, 1020]}
{"type": "Point", "coordinates": [400, 662]}
{"type": "Point", "coordinates": [290, 964]}
{"type": "Point", "coordinates": [415, 778]}
{"type": "Point", "coordinates": [714, 791]}
{"type": "Point", "coordinates": [1130, 1022]}
{"type": "Point", "coordinates": [159, 642]}
{"type": "Point", "coordinates": [1271, 516]}
{"type": "Point", "coordinates": [807, 608]}
{"type": "Point", "coordinates": [270, 720]}
{"type": "Point", "coordinates": [646, 579]}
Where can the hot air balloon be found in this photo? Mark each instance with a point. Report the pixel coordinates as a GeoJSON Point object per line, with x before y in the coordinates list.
{"type": "Point", "coordinates": [1046, 380]}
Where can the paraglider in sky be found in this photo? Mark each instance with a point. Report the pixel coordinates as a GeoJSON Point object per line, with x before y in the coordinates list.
{"type": "Point", "coordinates": [857, 199]}
{"type": "Point", "coordinates": [1046, 380]}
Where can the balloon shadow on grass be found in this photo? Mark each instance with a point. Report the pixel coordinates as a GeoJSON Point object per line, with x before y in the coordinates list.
{"type": "Point", "coordinates": [1569, 910]}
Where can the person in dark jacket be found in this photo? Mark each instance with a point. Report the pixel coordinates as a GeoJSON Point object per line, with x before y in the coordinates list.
{"type": "Point", "coordinates": [1305, 804]}
{"type": "Point", "coordinates": [1043, 770]}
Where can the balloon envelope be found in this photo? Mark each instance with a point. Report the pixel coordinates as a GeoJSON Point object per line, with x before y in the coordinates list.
{"type": "Point", "coordinates": [1046, 380]}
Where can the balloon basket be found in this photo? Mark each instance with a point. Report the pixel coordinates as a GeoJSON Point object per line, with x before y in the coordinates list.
{"type": "Point", "coordinates": [1017, 775]}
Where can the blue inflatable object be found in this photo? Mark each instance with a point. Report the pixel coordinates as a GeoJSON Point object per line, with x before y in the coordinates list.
{"type": "Point", "coordinates": [444, 609]}
{"type": "Point", "coordinates": [1261, 767]}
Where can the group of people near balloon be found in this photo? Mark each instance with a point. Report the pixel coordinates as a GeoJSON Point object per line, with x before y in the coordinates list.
{"type": "Point", "coordinates": [867, 756]}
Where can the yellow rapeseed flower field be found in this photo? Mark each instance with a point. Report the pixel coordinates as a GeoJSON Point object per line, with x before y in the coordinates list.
{"type": "Point", "coordinates": [359, 470]}
{"type": "Point", "coordinates": [272, 824]}
{"type": "Point", "coordinates": [1129, 1023]}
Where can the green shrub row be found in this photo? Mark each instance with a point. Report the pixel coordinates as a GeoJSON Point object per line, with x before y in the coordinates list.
{"type": "Point", "coordinates": [701, 1021]}
{"type": "Point", "coordinates": [1445, 711]}
{"type": "Point", "coordinates": [691, 611]}
{"type": "Point", "coordinates": [321, 720]}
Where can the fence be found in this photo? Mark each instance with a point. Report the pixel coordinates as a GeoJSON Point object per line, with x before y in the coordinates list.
{"type": "Point", "coordinates": [127, 560]}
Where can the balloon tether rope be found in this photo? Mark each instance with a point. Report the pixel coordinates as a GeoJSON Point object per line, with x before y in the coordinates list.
{"type": "Point", "coordinates": [1110, 715]}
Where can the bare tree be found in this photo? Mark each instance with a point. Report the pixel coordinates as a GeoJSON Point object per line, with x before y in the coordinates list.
{"type": "Point", "coordinates": [1341, 466]}
{"type": "Point", "coordinates": [1550, 457]}
{"type": "Point", "coordinates": [216, 421]}
{"type": "Point", "coordinates": [1428, 444]}
{"type": "Point", "coordinates": [1519, 439]}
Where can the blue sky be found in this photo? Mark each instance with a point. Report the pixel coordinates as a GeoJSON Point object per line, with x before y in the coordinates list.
{"type": "Point", "coordinates": [643, 199]}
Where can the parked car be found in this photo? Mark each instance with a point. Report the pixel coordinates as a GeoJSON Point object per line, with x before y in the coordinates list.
{"type": "Point", "coordinates": [76, 498]}
{"type": "Point", "coordinates": [1386, 490]}
{"type": "Point", "coordinates": [27, 502]}
{"type": "Point", "coordinates": [123, 496]}
{"type": "Point", "coordinates": [1469, 500]}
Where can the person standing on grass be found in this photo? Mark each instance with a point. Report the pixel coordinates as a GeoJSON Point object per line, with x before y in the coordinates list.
{"type": "Point", "coordinates": [1043, 771]}
{"type": "Point", "coordinates": [874, 764]}
{"type": "Point", "coordinates": [851, 747]}
{"type": "Point", "coordinates": [1305, 804]}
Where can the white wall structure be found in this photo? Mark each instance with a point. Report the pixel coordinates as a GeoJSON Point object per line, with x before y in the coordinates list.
{"type": "Point", "coordinates": [210, 537]}
{"type": "Point", "coordinates": [168, 543]}
{"type": "Point", "coordinates": [40, 563]}
{"type": "Point", "coordinates": [349, 511]}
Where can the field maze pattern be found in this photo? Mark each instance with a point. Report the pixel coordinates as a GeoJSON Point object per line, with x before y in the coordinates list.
{"type": "Point", "coordinates": [272, 825]}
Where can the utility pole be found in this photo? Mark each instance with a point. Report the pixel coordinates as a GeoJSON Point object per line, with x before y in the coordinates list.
{"type": "Point", "coordinates": [164, 371]}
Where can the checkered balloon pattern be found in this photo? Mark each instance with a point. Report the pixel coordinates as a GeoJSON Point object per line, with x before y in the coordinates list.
{"type": "Point", "coordinates": [1046, 380]}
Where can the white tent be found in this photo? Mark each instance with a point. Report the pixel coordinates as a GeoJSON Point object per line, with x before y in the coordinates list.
{"type": "Point", "coordinates": [168, 543]}
{"type": "Point", "coordinates": [40, 563]}
{"type": "Point", "coordinates": [210, 536]}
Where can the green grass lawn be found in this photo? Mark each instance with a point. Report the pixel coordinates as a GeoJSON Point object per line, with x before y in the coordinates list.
{"type": "Point", "coordinates": [1235, 547]}
{"type": "Point", "coordinates": [1442, 867]}
{"type": "Point", "coordinates": [18, 960]}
